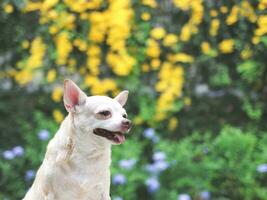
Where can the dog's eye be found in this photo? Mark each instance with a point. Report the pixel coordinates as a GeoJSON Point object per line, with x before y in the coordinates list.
{"type": "Point", "coordinates": [105, 113]}
{"type": "Point", "coordinates": [124, 116]}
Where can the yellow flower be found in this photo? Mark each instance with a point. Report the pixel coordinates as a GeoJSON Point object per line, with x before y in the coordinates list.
{"type": "Point", "coordinates": [121, 64]}
{"type": "Point", "coordinates": [58, 116]}
{"type": "Point", "coordinates": [224, 9]}
{"type": "Point", "coordinates": [84, 16]}
{"type": "Point", "coordinates": [51, 75]}
{"type": "Point", "coordinates": [181, 57]}
{"type": "Point", "coordinates": [182, 4]}
{"type": "Point", "coordinates": [247, 10]}
{"type": "Point", "coordinates": [213, 13]}
{"type": "Point", "coordinates": [93, 59]}
{"type": "Point", "coordinates": [169, 86]}
{"type": "Point", "coordinates": [138, 120]}
{"type": "Point", "coordinates": [101, 87]}
{"type": "Point", "coordinates": [57, 94]}
{"type": "Point", "coordinates": [262, 4]}
{"type": "Point", "coordinates": [90, 80]}
{"type": "Point", "coordinates": [25, 44]}
{"type": "Point", "coordinates": [155, 63]}
{"type": "Point", "coordinates": [214, 26]}
{"type": "Point", "coordinates": [23, 77]}
{"type": "Point", "coordinates": [93, 50]}
{"type": "Point", "coordinates": [47, 4]}
{"type": "Point", "coordinates": [153, 49]}
{"type": "Point", "coordinates": [173, 123]}
{"type": "Point", "coordinates": [99, 26]}
{"type": "Point", "coordinates": [150, 3]}
{"type": "Point", "coordinates": [226, 46]}
{"type": "Point", "coordinates": [187, 101]}
{"type": "Point", "coordinates": [158, 33]}
{"type": "Point", "coordinates": [262, 26]}
{"type": "Point", "coordinates": [83, 46]}
{"type": "Point", "coordinates": [160, 115]}
{"type": "Point", "coordinates": [246, 53]}
{"type": "Point", "coordinates": [53, 14]}
{"type": "Point", "coordinates": [53, 29]}
{"type": "Point", "coordinates": [205, 47]}
{"type": "Point", "coordinates": [64, 47]}
{"type": "Point", "coordinates": [92, 64]}
{"type": "Point", "coordinates": [33, 6]}
{"type": "Point", "coordinates": [170, 40]}
{"type": "Point", "coordinates": [233, 17]}
{"type": "Point", "coordinates": [145, 16]}
{"type": "Point", "coordinates": [37, 50]}
{"type": "Point", "coordinates": [145, 68]}
{"type": "Point", "coordinates": [197, 11]}
{"type": "Point", "coordinates": [255, 40]}
{"type": "Point", "coordinates": [81, 6]}
{"type": "Point", "coordinates": [8, 8]}
{"type": "Point", "coordinates": [186, 33]}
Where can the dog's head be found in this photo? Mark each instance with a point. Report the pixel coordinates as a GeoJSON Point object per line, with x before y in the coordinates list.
{"type": "Point", "coordinates": [102, 116]}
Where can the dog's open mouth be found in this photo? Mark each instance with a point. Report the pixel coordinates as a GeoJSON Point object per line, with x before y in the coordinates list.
{"type": "Point", "coordinates": [116, 137]}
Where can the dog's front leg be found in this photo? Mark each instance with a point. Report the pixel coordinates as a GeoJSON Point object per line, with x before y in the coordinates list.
{"type": "Point", "coordinates": [50, 196]}
{"type": "Point", "coordinates": [97, 192]}
{"type": "Point", "coordinates": [105, 197]}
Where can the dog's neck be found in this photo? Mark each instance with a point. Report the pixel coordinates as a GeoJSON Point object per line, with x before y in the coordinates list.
{"type": "Point", "coordinates": [85, 143]}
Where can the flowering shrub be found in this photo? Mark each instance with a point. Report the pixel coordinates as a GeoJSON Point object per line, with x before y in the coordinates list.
{"type": "Point", "coordinates": [112, 44]}
{"type": "Point", "coordinates": [185, 169]}
{"type": "Point", "coordinates": [190, 66]}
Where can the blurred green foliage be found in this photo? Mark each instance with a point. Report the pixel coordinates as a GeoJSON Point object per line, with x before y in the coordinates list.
{"type": "Point", "coordinates": [204, 134]}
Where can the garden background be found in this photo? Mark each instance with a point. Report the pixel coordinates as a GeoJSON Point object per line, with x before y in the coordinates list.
{"type": "Point", "coordinates": [196, 71]}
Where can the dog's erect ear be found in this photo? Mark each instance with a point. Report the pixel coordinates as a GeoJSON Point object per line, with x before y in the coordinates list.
{"type": "Point", "coordinates": [122, 97]}
{"type": "Point", "coordinates": [73, 95]}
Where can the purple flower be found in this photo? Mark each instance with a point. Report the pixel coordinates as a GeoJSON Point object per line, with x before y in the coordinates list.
{"type": "Point", "coordinates": [262, 168]}
{"type": "Point", "coordinates": [8, 155]}
{"type": "Point", "coordinates": [149, 133]}
{"type": "Point", "coordinates": [29, 175]}
{"type": "Point", "coordinates": [157, 167]}
{"type": "Point", "coordinates": [43, 135]}
{"type": "Point", "coordinates": [127, 164]}
{"type": "Point", "coordinates": [158, 156]}
{"type": "Point", "coordinates": [151, 168]}
{"type": "Point", "coordinates": [161, 165]}
{"type": "Point", "coordinates": [18, 151]}
{"type": "Point", "coordinates": [204, 195]}
{"type": "Point", "coordinates": [117, 198]}
{"type": "Point", "coordinates": [184, 197]}
{"type": "Point", "coordinates": [152, 184]}
{"type": "Point", "coordinates": [119, 179]}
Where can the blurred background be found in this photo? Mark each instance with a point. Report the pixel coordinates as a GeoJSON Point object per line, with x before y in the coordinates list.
{"type": "Point", "coordinates": [196, 71]}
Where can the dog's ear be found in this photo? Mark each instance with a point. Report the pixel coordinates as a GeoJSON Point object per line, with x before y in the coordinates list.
{"type": "Point", "coordinates": [122, 97]}
{"type": "Point", "coordinates": [73, 95]}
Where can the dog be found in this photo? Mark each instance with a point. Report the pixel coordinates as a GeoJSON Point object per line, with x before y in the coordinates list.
{"type": "Point", "coordinates": [77, 160]}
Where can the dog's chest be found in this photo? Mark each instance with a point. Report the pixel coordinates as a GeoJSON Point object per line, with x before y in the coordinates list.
{"type": "Point", "coordinates": [91, 174]}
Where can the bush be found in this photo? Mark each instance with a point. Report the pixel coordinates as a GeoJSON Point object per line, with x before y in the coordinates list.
{"type": "Point", "coordinates": [228, 166]}
{"type": "Point", "coordinates": [196, 71]}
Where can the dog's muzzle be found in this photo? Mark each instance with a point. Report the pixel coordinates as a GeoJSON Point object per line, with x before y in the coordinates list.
{"type": "Point", "coordinates": [114, 136]}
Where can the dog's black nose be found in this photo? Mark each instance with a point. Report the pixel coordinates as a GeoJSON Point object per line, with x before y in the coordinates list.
{"type": "Point", "coordinates": [127, 123]}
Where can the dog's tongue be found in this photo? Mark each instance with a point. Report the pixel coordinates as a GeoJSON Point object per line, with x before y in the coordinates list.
{"type": "Point", "coordinates": [121, 138]}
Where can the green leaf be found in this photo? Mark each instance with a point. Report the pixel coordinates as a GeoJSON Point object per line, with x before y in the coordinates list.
{"type": "Point", "coordinates": [250, 70]}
